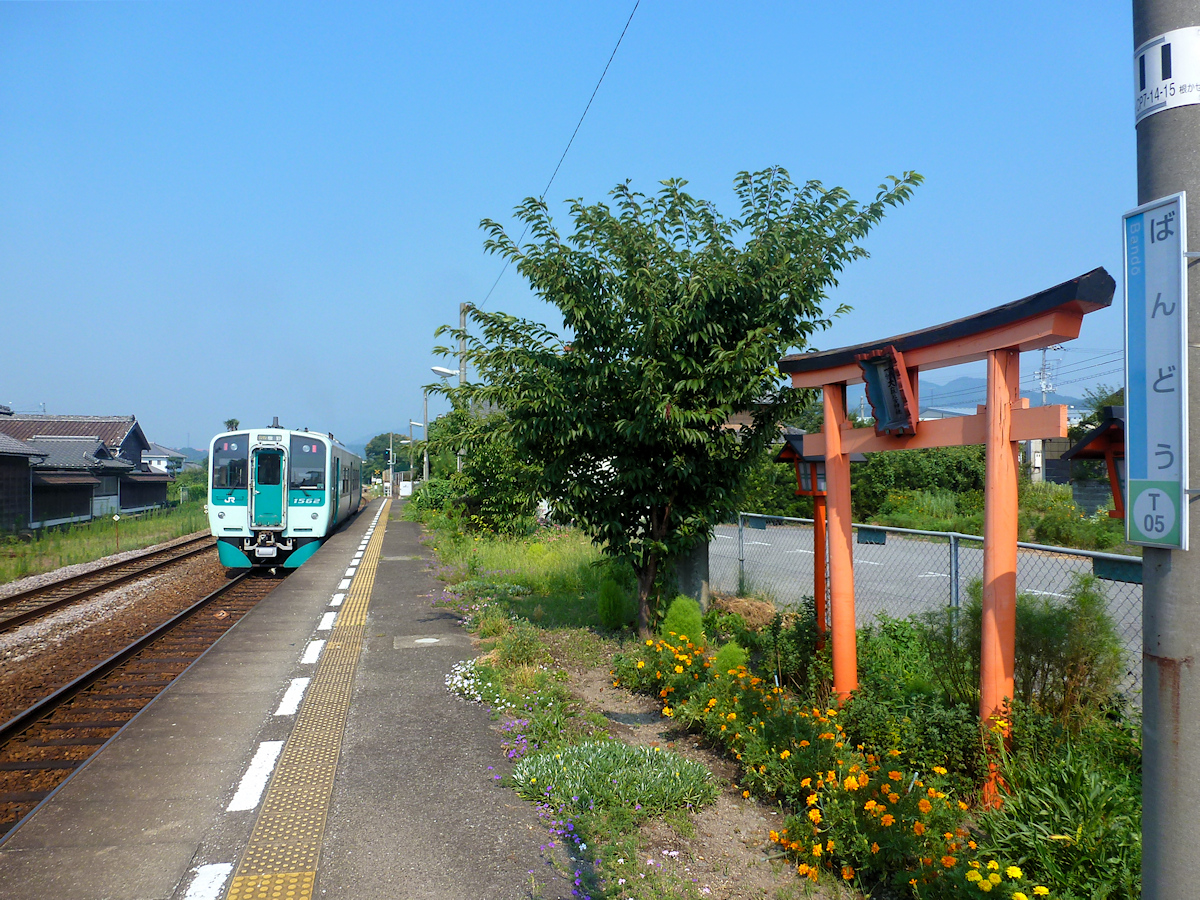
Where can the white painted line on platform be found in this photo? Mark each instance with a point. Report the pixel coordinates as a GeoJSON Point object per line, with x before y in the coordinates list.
{"type": "Point", "coordinates": [337, 599]}
{"type": "Point", "coordinates": [759, 543]}
{"type": "Point", "coordinates": [292, 697]}
{"type": "Point", "coordinates": [327, 621]}
{"type": "Point", "coordinates": [357, 559]}
{"type": "Point", "coordinates": [344, 584]}
{"type": "Point", "coordinates": [208, 881]}
{"type": "Point", "coordinates": [934, 575]}
{"type": "Point", "coordinates": [312, 653]}
{"type": "Point", "coordinates": [809, 552]}
{"type": "Point", "coordinates": [350, 571]}
{"type": "Point", "coordinates": [724, 537]}
{"type": "Point", "coordinates": [254, 782]}
{"type": "Point", "coordinates": [867, 562]}
{"type": "Point", "coordinates": [425, 641]}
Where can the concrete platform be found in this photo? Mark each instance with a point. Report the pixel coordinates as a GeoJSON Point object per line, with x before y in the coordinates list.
{"type": "Point", "coordinates": [412, 813]}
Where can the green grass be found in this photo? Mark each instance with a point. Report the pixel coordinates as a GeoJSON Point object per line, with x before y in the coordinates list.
{"type": "Point", "coordinates": [73, 544]}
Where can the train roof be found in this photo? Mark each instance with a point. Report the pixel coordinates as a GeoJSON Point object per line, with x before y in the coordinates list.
{"type": "Point", "coordinates": [327, 436]}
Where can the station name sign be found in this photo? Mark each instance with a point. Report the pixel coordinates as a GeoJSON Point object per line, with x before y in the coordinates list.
{"type": "Point", "coordinates": [1156, 380]}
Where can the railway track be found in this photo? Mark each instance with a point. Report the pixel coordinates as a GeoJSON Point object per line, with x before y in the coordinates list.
{"type": "Point", "coordinates": [17, 609]}
{"type": "Point", "coordinates": [41, 747]}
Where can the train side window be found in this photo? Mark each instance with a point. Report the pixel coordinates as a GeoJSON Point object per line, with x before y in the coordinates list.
{"type": "Point", "coordinates": [231, 461]}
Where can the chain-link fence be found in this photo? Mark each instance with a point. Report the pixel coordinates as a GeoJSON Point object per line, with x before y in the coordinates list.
{"type": "Point", "coordinates": [903, 572]}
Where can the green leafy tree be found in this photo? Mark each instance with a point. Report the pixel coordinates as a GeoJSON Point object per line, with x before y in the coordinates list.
{"type": "Point", "coordinates": [377, 453]}
{"type": "Point", "coordinates": [232, 424]}
{"type": "Point", "coordinates": [676, 318]}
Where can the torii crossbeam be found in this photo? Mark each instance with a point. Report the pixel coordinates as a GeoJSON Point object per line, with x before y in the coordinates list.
{"type": "Point", "coordinates": [891, 368]}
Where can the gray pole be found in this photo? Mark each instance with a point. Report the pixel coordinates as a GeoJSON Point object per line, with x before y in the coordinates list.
{"type": "Point", "coordinates": [425, 419]}
{"type": "Point", "coordinates": [462, 358]}
{"type": "Point", "coordinates": [391, 463]}
{"type": "Point", "coordinates": [1168, 160]}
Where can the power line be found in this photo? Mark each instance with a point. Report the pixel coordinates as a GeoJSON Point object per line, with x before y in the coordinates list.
{"type": "Point", "coordinates": [566, 149]}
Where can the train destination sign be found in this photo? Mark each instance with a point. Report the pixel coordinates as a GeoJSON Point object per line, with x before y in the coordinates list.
{"type": "Point", "coordinates": [1156, 428]}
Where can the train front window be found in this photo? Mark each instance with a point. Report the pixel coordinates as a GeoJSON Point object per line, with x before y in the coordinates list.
{"type": "Point", "coordinates": [231, 461]}
{"type": "Point", "coordinates": [307, 464]}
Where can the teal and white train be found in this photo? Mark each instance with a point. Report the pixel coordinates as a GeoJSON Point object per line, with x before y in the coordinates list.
{"type": "Point", "coordinates": [274, 495]}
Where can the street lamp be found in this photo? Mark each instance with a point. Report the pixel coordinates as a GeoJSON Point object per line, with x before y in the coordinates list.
{"type": "Point", "coordinates": [443, 373]}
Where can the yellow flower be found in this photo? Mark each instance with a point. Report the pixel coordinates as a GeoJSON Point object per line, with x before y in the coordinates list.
{"type": "Point", "coordinates": [774, 837]}
{"type": "Point", "coordinates": [667, 711]}
{"type": "Point", "coordinates": [939, 770]}
{"type": "Point", "coordinates": [649, 643]}
{"type": "Point", "coordinates": [641, 664]}
{"type": "Point", "coordinates": [851, 783]}
{"type": "Point", "coordinates": [731, 716]}
{"type": "Point", "coordinates": [985, 885]}
{"type": "Point", "coordinates": [1041, 891]}
{"type": "Point", "coordinates": [785, 754]}
{"type": "Point", "coordinates": [802, 869]}
{"type": "Point", "coordinates": [746, 794]}
{"type": "Point", "coordinates": [1020, 895]}
{"type": "Point", "coordinates": [817, 851]}
{"type": "Point", "coordinates": [805, 782]}
{"type": "Point", "coordinates": [994, 878]}
{"type": "Point", "coordinates": [1013, 872]}
{"type": "Point", "coordinates": [815, 816]}
{"type": "Point", "coordinates": [973, 875]}
{"type": "Point", "coordinates": [811, 799]}
{"type": "Point", "coordinates": [679, 670]}
{"type": "Point", "coordinates": [993, 865]}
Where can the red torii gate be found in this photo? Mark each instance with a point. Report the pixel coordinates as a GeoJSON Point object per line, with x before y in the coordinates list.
{"type": "Point", "coordinates": [891, 368]}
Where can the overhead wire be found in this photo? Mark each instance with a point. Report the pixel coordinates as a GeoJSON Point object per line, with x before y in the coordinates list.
{"type": "Point", "coordinates": [566, 149]}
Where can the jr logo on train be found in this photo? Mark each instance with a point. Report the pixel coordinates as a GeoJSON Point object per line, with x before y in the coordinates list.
{"type": "Point", "coordinates": [274, 495]}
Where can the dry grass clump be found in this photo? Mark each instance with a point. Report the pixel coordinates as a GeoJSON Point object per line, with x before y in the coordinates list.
{"type": "Point", "coordinates": [755, 613]}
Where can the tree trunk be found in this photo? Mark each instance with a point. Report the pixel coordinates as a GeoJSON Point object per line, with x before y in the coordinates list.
{"type": "Point", "coordinates": [645, 582]}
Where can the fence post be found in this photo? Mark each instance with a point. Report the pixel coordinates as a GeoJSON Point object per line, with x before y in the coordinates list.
{"type": "Point", "coordinates": [954, 600]}
{"type": "Point", "coordinates": [741, 557]}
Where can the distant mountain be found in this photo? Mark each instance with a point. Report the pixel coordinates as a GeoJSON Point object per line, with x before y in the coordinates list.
{"type": "Point", "coordinates": [191, 453]}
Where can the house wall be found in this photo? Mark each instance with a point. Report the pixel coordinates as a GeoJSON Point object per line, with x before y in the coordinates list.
{"type": "Point", "coordinates": [14, 492]}
{"type": "Point", "coordinates": [139, 495]}
{"type": "Point", "coordinates": [60, 503]}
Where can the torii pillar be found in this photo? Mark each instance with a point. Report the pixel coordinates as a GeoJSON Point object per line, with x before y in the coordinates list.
{"type": "Point", "coordinates": [891, 369]}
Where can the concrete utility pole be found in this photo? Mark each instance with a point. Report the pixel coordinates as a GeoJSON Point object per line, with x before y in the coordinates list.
{"type": "Point", "coordinates": [1168, 161]}
{"type": "Point", "coordinates": [462, 358]}
{"type": "Point", "coordinates": [425, 418]}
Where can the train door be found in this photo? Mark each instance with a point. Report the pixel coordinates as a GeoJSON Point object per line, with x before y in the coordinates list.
{"type": "Point", "coordinates": [335, 514]}
{"type": "Point", "coordinates": [267, 466]}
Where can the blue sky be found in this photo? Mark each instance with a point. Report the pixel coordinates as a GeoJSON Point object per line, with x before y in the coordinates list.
{"type": "Point", "coordinates": [253, 210]}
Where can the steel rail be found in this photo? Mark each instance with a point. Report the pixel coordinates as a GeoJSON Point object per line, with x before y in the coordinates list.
{"type": "Point", "coordinates": [23, 720]}
{"type": "Point", "coordinates": [31, 594]}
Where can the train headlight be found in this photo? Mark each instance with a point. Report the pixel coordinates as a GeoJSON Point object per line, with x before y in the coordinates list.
{"type": "Point", "coordinates": [220, 515]}
{"type": "Point", "coordinates": [314, 515]}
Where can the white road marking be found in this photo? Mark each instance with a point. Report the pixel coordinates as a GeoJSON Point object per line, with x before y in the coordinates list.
{"type": "Point", "coordinates": [327, 621]}
{"type": "Point", "coordinates": [312, 653]}
{"type": "Point", "coordinates": [344, 584]}
{"type": "Point", "coordinates": [934, 575]}
{"type": "Point", "coordinates": [350, 572]}
{"type": "Point", "coordinates": [724, 537]}
{"type": "Point", "coordinates": [254, 782]}
{"type": "Point", "coordinates": [809, 552]}
{"type": "Point", "coordinates": [759, 543]}
{"type": "Point", "coordinates": [337, 599]}
{"type": "Point", "coordinates": [425, 641]}
{"type": "Point", "coordinates": [208, 881]}
{"type": "Point", "coordinates": [1045, 593]}
{"type": "Point", "coordinates": [867, 562]}
{"type": "Point", "coordinates": [290, 701]}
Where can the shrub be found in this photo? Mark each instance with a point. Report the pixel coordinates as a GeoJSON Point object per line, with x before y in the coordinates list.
{"type": "Point", "coordinates": [432, 495]}
{"type": "Point", "coordinates": [730, 656]}
{"type": "Point", "coordinates": [684, 620]}
{"type": "Point", "coordinates": [614, 605]}
{"type": "Point", "coordinates": [606, 775]}
{"type": "Point", "coordinates": [521, 645]}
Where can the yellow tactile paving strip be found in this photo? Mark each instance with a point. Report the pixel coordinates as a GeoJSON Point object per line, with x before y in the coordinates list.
{"type": "Point", "coordinates": [280, 860]}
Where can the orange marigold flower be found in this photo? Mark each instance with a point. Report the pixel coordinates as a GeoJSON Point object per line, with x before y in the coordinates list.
{"type": "Point", "coordinates": [746, 794]}
{"type": "Point", "coordinates": [815, 816]}
{"type": "Point", "coordinates": [847, 872]}
{"type": "Point", "coordinates": [918, 827]}
{"type": "Point", "coordinates": [949, 861]}
{"type": "Point", "coordinates": [785, 754]}
{"type": "Point", "coordinates": [894, 775]}
{"type": "Point", "coordinates": [851, 783]}
{"type": "Point", "coordinates": [888, 820]}
{"type": "Point", "coordinates": [893, 798]}
{"type": "Point", "coordinates": [802, 869]}
{"type": "Point", "coordinates": [804, 743]}
{"type": "Point", "coordinates": [774, 837]}
{"type": "Point", "coordinates": [816, 849]}
{"type": "Point", "coordinates": [924, 806]}
{"type": "Point", "coordinates": [870, 805]}
{"type": "Point", "coordinates": [874, 848]}
{"type": "Point", "coordinates": [893, 752]}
